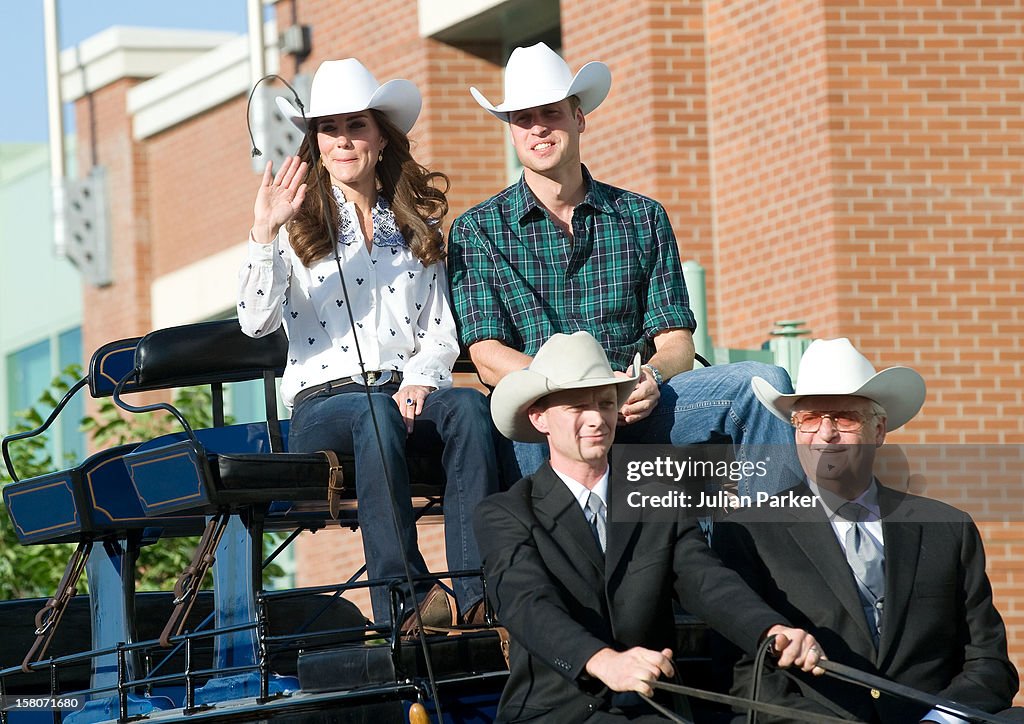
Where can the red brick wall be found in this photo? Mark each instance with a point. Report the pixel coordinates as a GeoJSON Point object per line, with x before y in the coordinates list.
{"type": "Point", "coordinates": [773, 226]}
{"type": "Point", "coordinates": [457, 135]}
{"type": "Point", "coordinates": [927, 113]}
{"type": "Point", "coordinates": [1004, 543]}
{"type": "Point", "coordinates": [867, 168]}
{"type": "Point", "coordinates": [651, 134]}
{"type": "Point", "coordinates": [202, 187]}
{"type": "Point", "coordinates": [121, 309]}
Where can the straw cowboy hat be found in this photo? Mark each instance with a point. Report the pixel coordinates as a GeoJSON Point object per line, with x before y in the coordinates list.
{"type": "Point", "coordinates": [564, 362]}
{"type": "Point", "coordinates": [537, 75]}
{"type": "Point", "coordinates": [346, 86]}
{"type": "Point", "coordinates": [834, 367]}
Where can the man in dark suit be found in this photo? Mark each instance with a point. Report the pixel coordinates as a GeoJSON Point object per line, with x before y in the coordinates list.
{"type": "Point", "coordinates": [890, 583]}
{"type": "Point", "coordinates": [587, 602]}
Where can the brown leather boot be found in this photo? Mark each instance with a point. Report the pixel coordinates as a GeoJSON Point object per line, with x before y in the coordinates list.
{"type": "Point", "coordinates": [476, 615]}
{"type": "Point", "coordinates": [435, 613]}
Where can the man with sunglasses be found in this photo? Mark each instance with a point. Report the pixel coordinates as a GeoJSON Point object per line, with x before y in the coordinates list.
{"type": "Point", "coordinates": [889, 583]}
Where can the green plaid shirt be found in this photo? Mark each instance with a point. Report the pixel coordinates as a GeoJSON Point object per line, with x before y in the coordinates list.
{"type": "Point", "coordinates": [517, 278]}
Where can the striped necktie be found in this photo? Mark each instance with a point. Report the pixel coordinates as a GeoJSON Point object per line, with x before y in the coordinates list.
{"type": "Point", "coordinates": [867, 561]}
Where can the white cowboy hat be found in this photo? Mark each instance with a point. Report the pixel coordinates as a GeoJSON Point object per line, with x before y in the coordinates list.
{"type": "Point", "coordinates": [537, 75]}
{"type": "Point", "coordinates": [564, 362]}
{"type": "Point", "coordinates": [346, 86]}
{"type": "Point", "coordinates": [834, 367]}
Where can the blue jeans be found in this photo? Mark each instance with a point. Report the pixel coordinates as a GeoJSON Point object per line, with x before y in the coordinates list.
{"type": "Point", "coordinates": [459, 419]}
{"type": "Point", "coordinates": [709, 404]}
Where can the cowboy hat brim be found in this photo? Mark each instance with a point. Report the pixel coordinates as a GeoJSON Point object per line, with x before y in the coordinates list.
{"type": "Point", "coordinates": [398, 99]}
{"type": "Point", "coordinates": [511, 401]}
{"type": "Point", "coordinates": [591, 85]}
{"type": "Point", "coordinates": [900, 390]}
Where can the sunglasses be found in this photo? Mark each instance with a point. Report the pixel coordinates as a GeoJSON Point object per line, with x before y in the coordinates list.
{"type": "Point", "coordinates": [842, 420]}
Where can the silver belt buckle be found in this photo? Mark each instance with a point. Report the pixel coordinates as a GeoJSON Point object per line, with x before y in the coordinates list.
{"type": "Point", "coordinates": [374, 378]}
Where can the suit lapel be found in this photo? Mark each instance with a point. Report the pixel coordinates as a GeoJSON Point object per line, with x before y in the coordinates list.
{"type": "Point", "coordinates": [816, 538]}
{"type": "Point", "coordinates": [902, 540]}
{"type": "Point", "coordinates": [561, 515]}
{"type": "Point", "coordinates": [621, 538]}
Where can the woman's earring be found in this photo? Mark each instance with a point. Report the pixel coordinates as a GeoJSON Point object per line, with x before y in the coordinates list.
{"type": "Point", "coordinates": [380, 156]}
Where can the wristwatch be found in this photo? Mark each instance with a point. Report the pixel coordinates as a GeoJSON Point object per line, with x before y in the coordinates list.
{"type": "Point", "coordinates": [654, 373]}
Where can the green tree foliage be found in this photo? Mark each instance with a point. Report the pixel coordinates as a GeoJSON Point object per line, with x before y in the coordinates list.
{"type": "Point", "coordinates": [35, 571]}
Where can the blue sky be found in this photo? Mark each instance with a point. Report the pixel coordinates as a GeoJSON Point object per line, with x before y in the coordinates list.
{"type": "Point", "coordinates": [21, 53]}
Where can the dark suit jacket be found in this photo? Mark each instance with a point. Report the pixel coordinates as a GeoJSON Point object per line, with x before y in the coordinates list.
{"type": "Point", "coordinates": [562, 601]}
{"type": "Point", "coordinates": [940, 632]}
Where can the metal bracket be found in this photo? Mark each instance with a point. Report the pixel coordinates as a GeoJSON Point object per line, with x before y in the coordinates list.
{"type": "Point", "coordinates": [275, 135]}
{"type": "Point", "coordinates": [87, 226]}
{"type": "Point", "coordinates": [297, 41]}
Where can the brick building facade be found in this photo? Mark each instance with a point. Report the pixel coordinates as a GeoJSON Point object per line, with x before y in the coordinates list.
{"type": "Point", "coordinates": [854, 163]}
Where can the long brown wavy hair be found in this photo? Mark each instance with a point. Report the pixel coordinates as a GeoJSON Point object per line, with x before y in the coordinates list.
{"type": "Point", "coordinates": [416, 194]}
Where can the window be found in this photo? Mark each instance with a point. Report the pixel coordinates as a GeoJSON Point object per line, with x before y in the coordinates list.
{"type": "Point", "coordinates": [244, 401]}
{"type": "Point", "coordinates": [28, 374]}
{"type": "Point", "coordinates": [30, 371]}
{"type": "Point", "coordinates": [72, 440]}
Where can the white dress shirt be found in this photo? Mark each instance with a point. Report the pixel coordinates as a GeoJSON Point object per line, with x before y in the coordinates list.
{"type": "Point", "coordinates": [582, 493]}
{"type": "Point", "coordinates": [868, 499]}
{"type": "Point", "coordinates": [401, 308]}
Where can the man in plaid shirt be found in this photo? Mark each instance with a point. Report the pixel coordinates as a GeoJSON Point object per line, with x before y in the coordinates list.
{"type": "Point", "coordinates": [561, 252]}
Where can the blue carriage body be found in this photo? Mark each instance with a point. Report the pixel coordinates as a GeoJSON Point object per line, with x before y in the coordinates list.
{"type": "Point", "coordinates": [228, 483]}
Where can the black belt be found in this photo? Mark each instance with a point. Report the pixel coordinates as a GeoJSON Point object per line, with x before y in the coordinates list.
{"type": "Point", "coordinates": [373, 378]}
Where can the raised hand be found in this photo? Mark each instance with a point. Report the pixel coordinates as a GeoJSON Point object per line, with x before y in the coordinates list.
{"type": "Point", "coordinates": [278, 199]}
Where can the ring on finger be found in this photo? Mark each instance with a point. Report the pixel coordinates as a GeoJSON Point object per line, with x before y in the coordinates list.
{"type": "Point", "coordinates": [409, 401]}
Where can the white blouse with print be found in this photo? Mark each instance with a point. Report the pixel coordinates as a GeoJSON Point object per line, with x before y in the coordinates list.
{"type": "Point", "coordinates": [401, 309]}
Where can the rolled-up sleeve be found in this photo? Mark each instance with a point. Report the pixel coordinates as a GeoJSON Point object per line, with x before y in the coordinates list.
{"type": "Point", "coordinates": [667, 305]}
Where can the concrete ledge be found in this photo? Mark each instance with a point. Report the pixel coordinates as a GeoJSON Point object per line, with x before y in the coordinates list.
{"type": "Point", "coordinates": [187, 71]}
{"type": "Point", "coordinates": [504, 23]}
{"type": "Point", "coordinates": [437, 16]}
{"type": "Point", "coordinates": [197, 85]}
{"type": "Point", "coordinates": [202, 290]}
{"type": "Point", "coordinates": [129, 52]}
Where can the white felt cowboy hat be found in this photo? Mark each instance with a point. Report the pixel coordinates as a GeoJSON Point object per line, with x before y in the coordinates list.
{"type": "Point", "coordinates": [835, 367]}
{"type": "Point", "coordinates": [564, 362]}
{"type": "Point", "coordinates": [537, 75]}
{"type": "Point", "coordinates": [346, 86]}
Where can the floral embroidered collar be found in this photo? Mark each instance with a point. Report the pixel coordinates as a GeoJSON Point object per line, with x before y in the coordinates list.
{"type": "Point", "coordinates": [385, 227]}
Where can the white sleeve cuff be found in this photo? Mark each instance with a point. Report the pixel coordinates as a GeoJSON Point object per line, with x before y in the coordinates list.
{"type": "Point", "coordinates": [261, 252]}
{"type": "Point", "coordinates": [417, 378]}
{"type": "Point", "coordinates": [942, 718]}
